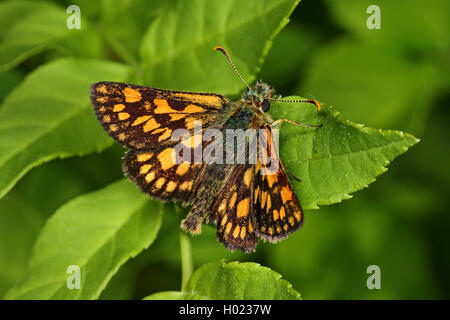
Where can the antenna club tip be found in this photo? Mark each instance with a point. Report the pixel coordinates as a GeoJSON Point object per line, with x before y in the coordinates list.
{"type": "Point", "coordinates": [317, 104]}
{"type": "Point", "coordinates": [219, 48]}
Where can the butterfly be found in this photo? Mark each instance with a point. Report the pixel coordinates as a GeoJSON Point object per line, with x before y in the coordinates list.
{"type": "Point", "coordinates": [246, 200]}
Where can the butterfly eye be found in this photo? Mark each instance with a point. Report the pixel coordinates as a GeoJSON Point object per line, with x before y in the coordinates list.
{"type": "Point", "coordinates": [265, 105]}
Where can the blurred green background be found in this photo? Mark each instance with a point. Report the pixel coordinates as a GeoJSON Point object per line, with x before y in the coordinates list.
{"type": "Point", "coordinates": [393, 78]}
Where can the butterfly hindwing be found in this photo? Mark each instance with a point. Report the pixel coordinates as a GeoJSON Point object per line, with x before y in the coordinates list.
{"type": "Point", "coordinates": [234, 211]}
{"type": "Point", "coordinates": [143, 117]}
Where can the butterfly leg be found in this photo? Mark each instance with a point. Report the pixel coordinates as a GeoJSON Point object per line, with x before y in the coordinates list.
{"type": "Point", "coordinates": [277, 122]}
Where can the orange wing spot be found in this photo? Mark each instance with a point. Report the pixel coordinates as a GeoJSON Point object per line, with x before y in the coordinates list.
{"type": "Point", "coordinates": [123, 115]}
{"type": "Point", "coordinates": [269, 203]}
{"type": "Point", "coordinates": [102, 109]}
{"type": "Point", "coordinates": [248, 177]}
{"type": "Point", "coordinates": [102, 89]}
{"type": "Point", "coordinates": [113, 127]}
{"type": "Point", "coordinates": [282, 213]}
{"type": "Point", "coordinates": [243, 232]}
{"type": "Point", "coordinates": [210, 100]}
{"type": "Point", "coordinates": [159, 183]}
{"type": "Point", "coordinates": [291, 221]}
{"type": "Point", "coordinates": [193, 141]}
{"type": "Point", "coordinates": [271, 179]}
{"type": "Point", "coordinates": [175, 116]}
{"type": "Point", "coordinates": [276, 215]}
{"type": "Point", "coordinates": [165, 135]}
{"type": "Point", "coordinates": [250, 227]}
{"type": "Point", "coordinates": [236, 231]}
{"type": "Point", "coordinates": [165, 158]}
{"type": "Point", "coordinates": [255, 194]}
{"type": "Point", "coordinates": [187, 185]}
{"type": "Point", "coordinates": [297, 215]}
{"type": "Point", "coordinates": [192, 108]}
{"type": "Point", "coordinates": [150, 177]}
{"type": "Point", "coordinates": [190, 123]}
{"type": "Point", "coordinates": [286, 194]}
{"type": "Point", "coordinates": [106, 119]}
{"type": "Point", "coordinates": [263, 228]}
{"type": "Point", "coordinates": [224, 219]}
{"type": "Point", "coordinates": [278, 229]}
{"type": "Point", "coordinates": [183, 168]}
{"type": "Point", "coordinates": [163, 107]}
{"type": "Point", "coordinates": [285, 227]}
{"type": "Point", "coordinates": [144, 157]}
{"type": "Point", "coordinates": [171, 186]}
{"type": "Point", "coordinates": [140, 120]}
{"type": "Point", "coordinates": [263, 199]}
{"type": "Point", "coordinates": [243, 208]}
{"type": "Point", "coordinates": [132, 95]}
{"type": "Point", "coordinates": [233, 200]}
{"type": "Point", "coordinates": [121, 136]}
{"type": "Point", "coordinates": [270, 230]}
{"type": "Point", "coordinates": [118, 107]}
{"type": "Point", "coordinates": [147, 105]}
{"type": "Point", "coordinates": [228, 228]}
{"type": "Point", "coordinates": [145, 168]}
{"type": "Point", "coordinates": [151, 125]}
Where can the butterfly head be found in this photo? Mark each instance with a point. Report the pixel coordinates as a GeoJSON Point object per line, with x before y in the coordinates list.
{"type": "Point", "coordinates": [259, 95]}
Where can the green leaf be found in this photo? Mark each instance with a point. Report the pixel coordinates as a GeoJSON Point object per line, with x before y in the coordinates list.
{"type": "Point", "coordinates": [177, 50]}
{"type": "Point", "coordinates": [235, 281]}
{"type": "Point", "coordinates": [42, 28]}
{"type": "Point", "coordinates": [125, 37]}
{"type": "Point", "coordinates": [49, 116]}
{"type": "Point", "coordinates": [25, 209]}
{"type": "Point", "coordinates": [97, 232]}
{"type": "Point", "coordinates": [175, 295]}
{"type": "Point", "coordinates": [12, 12]}
{"type": "Point", "coordinates": [336, 160]}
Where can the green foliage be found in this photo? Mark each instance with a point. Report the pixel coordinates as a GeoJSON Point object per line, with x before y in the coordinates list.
{"type": "Point", "coordinates": [49, 116]}
{"type": "Point", "coordinates": [97, 232]}
{"type": "Point", "coordinates": [337, 159]}
{"type": "Point", "coordinates": [34, 27]}
{"type": "Point", "coordinates": [235, 281]}
{"type": "Point", "coordinates": [80, 211]}
{"type": "Point", "coordinates": [183, 35]}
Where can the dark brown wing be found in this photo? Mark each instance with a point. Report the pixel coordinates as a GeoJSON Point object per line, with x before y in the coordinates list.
{"type": "Point", "coordinates": [144, 118]}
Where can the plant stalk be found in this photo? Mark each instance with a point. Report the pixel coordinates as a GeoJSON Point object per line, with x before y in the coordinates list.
{"type": "Point", "coordinates": [187, 266]}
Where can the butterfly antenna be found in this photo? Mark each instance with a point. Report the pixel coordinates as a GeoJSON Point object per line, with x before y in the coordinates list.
{"type": "Point", "coordinates": [232, 64]}
{"type": "Point", "coordinates": [312, 101]}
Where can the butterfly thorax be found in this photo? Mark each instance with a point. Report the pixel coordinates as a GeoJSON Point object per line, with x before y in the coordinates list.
{"type": "Point", "coordinates": [250, 110]}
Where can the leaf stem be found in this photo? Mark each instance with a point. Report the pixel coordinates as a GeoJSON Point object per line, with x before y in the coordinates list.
{"type": "Point", "coordinates": [187, 266]}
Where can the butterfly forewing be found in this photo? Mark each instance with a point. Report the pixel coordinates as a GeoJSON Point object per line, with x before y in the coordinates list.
{"type": "Point", "coordinates": [158, 175]}
{"type": "Point", "coordinates": [277, 210]}
{"type": "Point", "coordinates": [144, 118]}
